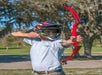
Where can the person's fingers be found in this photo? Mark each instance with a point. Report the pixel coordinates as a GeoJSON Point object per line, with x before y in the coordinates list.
{"type": "Point", "coordinates": [79, 38]}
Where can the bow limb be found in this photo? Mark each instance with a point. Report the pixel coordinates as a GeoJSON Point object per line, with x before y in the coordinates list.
{"type": "Point", "coordinates": [74, 13]}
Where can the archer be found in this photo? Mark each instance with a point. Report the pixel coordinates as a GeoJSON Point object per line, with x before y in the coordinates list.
{"type": "Point", "coordinates": [46, 48]}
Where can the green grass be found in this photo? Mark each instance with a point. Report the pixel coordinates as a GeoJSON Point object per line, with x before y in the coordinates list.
{"type": "Point", "coordinates": [83, 71]}
{"type": "Point", "coordinates": [15, 72]}
{"type": "Point", "coordinates": [94, 50]}
{"type": "Point", "coordinates": [26, 50]}
{"type": "Point", "coordinates": [22, 51]}
{"type": "Point", "coordinates": [72, 71]}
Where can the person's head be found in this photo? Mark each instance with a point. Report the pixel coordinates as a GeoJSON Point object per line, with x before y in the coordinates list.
{"type": "Point", "coordinates": [50, 30]}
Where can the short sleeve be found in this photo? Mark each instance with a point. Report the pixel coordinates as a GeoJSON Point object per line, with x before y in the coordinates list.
{"type": "Point", "coordinates": [31, 41]}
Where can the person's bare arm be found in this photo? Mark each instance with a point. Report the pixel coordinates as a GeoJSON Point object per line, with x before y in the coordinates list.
{"type": "Point", "coordinates": [23, 34]}
{"type": "Point", "coordinates": [69, 42]}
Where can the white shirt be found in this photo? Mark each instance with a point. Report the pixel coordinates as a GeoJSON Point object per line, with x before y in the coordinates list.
{"type": "Point", "coordinates": [45, 55]}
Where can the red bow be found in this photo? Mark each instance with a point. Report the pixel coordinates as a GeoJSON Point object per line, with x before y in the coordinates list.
{"type": "Point", "coordinates": [73, 33]}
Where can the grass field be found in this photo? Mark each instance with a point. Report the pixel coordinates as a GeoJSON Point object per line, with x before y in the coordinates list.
{"type": "Point", "coordinates": [94, 49]}
{"type": "Point", "coordinates": [67, 71]}
{"type": "Point", "coordinates": [15, 51]}
{"type": "Point", "coordinates": [73, 71]}
{"type": "Point", "coordinates": [25, 51]}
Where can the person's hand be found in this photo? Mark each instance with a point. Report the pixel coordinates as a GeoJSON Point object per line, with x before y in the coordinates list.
{"type": "Point", "coordinates": [76, 38]}
{"type": "Point", "coordinates": [79, 38]}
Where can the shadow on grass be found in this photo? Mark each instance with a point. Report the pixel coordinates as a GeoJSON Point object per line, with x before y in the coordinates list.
{"type": "Point", "coordinates": [20, 58]}
{"type": "Point", "coordinates": [14, 58]}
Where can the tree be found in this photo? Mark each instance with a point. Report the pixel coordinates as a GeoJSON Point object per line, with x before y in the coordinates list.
{"type": "Point", "coordinates": [6, 17]}
{"type": "Point", "coordinates": [92, 28]}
